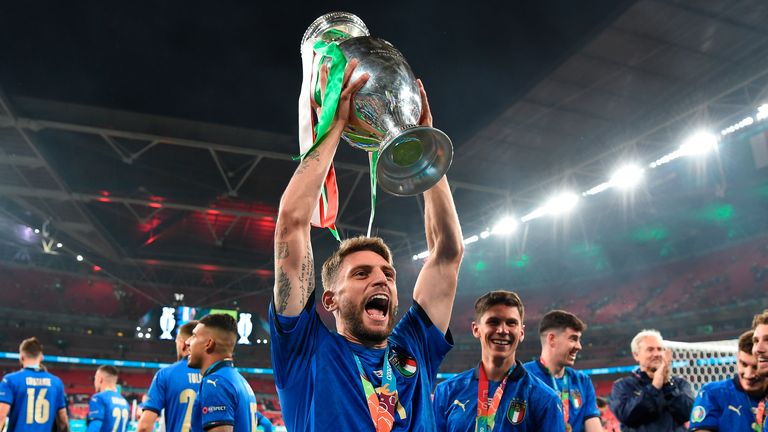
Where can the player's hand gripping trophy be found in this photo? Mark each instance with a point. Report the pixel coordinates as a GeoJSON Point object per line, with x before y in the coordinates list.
{"type": "Point", "coordinates": [411, 156]}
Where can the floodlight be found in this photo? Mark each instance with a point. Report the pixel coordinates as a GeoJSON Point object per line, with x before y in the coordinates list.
{"type": "Point", "coordinates": [627, 176]}
{"type": "Point", "coordinates": [485, 234]}
{"type": "Point", "coordinates": [506, 225]}
{"type": "Point", "coordinates": [562, 203]}
{"type": "Point", "coordinates": [699, 143]}
{"type": "Point", "coordinates": [470, 240]}
{"type": "Point", "coordinates": [79, 258]}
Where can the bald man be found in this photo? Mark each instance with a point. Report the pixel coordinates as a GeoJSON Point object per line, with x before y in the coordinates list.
{"type": "Point", "coordinates": [225, 402]}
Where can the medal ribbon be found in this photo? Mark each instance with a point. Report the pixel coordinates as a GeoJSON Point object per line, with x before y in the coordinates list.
{"type": "Point", "coordinates": [760, 415]}
{"type": "Point", "coordinates": [487, 407]}
{"type": "Point", "coordinates": [383, 400]}
{"type": "Point", "coordinates": [565, 392]}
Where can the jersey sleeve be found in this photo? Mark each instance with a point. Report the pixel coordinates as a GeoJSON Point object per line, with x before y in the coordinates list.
{"type": "Point", "coordinates": [590, 400]}
{"type": "Point", "coordinates": [156, 394]}
{"type": "Point", "coordinates": [418, 334]}
{"type": "Point", "coordinates": [61, 400]}
{"type": "Point", "coordinates": [549, 415]}
{"type": "Point", "coordinates": [293, 344]}
{"type": "Point", "coordinates": [217, 402]}
{"type": "Point", "coordinates": [706, 410]}
{"type": "Point", "coordinates": [6, 391]}
{"type": "Point", "coordinates": [439, 407]}
{"type": "Point", "coordinates": [96, 409]}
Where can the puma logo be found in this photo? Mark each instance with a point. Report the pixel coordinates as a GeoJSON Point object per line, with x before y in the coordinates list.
{"type": "Point", "coordinates": [462, 405]}
{"type": "Point", "coordinates": [210, 381]}
{"type": "Point", "coordinates": [737, 410]}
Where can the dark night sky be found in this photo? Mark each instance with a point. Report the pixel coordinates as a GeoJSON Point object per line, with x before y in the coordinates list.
{"type": "Point", "coordinates": [237, 63]}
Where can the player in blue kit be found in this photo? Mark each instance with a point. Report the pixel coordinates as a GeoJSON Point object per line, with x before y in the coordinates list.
{"type": "Point", "coordinates": [760, 351]}
{"type": "Point", "coordinates": [560, 334]}
{"type": "Point", "coordinates": [499, 394]}
{"type": "Point", "coordinates": [32, 399]}
{"type": "Point", "coordinates": [108, 411]}
{"type": "Point", "coordinates": [173, 389]}
{"type": "Point", "coordinates": [225, 401]}
{"type": "Point", "coordinates": [730, 405]}
{"type": "Point", "coordinates": [369, 375]}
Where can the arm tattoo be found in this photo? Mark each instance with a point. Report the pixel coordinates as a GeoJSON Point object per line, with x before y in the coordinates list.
{"type": "Point", "coordinates": [282, 250]}
{"type": "Point", "coordinates": [314, 156]}
{"type": "Point", "coordinates": [283, 291]}
{"type": "Point", "coordinates": [307, 275]}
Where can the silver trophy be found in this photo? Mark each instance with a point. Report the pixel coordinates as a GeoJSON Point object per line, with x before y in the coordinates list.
{"type": "Point", "coordinates": [412, 158]}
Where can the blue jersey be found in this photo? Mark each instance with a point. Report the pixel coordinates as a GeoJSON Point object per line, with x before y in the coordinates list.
{"type": "Point", "coordinates": [174, 389]}
{"type": "Point", "coordinates": [582, 403]}
{"type": "Point", "coordinates": [224, 398]}
{"type": "Point", "coordinates": [527, 404]}
{"type": "Point", "coordinates": [724, 406]}
{"type": "Point", "coordinates": [111, 409]}
{"type": "Point", "coordinates": [35, 397]}
{"type": "Point", "coordinates": [319, 384]}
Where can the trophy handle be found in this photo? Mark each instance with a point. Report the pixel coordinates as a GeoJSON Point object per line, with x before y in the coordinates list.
{"type": "Point", "coordinates": [413, 159]}
{"type": "Point", "coordinates": [345, 23]}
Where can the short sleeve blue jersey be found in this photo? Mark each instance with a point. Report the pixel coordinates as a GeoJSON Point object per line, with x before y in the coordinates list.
{"type": "Point", "coordinates": [174, 389]}
{"type": "Point", "coordinates": [582, 403]}
{"type": "Point", "coordinates": [224, 399]}
{"type": "Point", "coordinates": [319, 383]}
{"type": "Point", "coordinates": [724, 406]}
{"type": "Point", "coordinates": [35, 397]}
{"type": "Point", "coordinates": [527, 404]}
{"type": "Point", "coordinates": [111, 409]}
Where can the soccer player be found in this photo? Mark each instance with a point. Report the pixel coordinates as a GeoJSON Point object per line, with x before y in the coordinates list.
{"type": "Point", "coordinates": [225, 401]}
{"type": "Point", "coordinates": [651, 399]}
{"type": "Point", "coordinates": [760, 342]}
{"type": "Point", "coordinates": [730, 405]}
{"type": "Point", "coordinates": [760, 351]}
{"type": "Point", "coordinates": [173, 389]}
{"type": "Point", "coordinates": [499, 394]}
{"type": "Point", "coordinates": [371, 374]}
{"type": "Point", "coordinates": [560, 334]}
{"type": "Point", "coordinates": [32, 399]}
{"type": "Point", "coordinates": [108, 411]}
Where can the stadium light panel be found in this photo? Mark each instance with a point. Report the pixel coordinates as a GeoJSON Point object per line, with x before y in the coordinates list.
{"type": "Point", "coordinates": [59, 245]}
{"type": "Point", "coordinates": [699, 143]}
{"type": "Point", "coordinates": [37, 230]}
{"type": "Point", "coordinates": [485, 234]}
{"type": "Point", "coordinates": [79, 258]}
{"type": "Point", "coordinates": [470, 240]}
{"type": "Point", "coordinates": [562, 203]}
{"type": "Point", "coordinates": [627, 176]}
{"type": "Point", "coordinates": [505, 226]}
{"type": "Point", "coordinates": [762, 112]}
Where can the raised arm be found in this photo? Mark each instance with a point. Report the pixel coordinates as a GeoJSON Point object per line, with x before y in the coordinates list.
{"type": "Point", "coordinates": [294, 265]}
{"type": "Point", "coordinates": [436, 285]}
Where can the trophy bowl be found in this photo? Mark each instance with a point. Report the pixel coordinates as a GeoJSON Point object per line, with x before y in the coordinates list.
{"type": "Point", "coordinates": [412, 158]}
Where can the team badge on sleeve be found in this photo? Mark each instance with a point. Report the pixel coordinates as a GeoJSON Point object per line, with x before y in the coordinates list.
{"type": "Point", "coordinates": [404, 363]}
{"type": "Point", "coordinates": [516, 412]}
{"type": "Point", "coordinates": [698, 414]}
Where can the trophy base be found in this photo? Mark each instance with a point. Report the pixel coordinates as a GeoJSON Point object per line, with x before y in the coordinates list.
{"type": "Point", "coordinates": [413, 159]}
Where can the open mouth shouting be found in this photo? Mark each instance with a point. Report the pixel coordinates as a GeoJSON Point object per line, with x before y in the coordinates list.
{"type": "Point", "coordinates": [377, 307]}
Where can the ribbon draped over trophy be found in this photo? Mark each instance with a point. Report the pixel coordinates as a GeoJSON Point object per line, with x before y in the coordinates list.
{"type": "Point", "coordinates": [405, 158]}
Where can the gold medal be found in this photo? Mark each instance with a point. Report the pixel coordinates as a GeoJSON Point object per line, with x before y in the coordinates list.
{"type": "Point", "coordinates": [568, 427]}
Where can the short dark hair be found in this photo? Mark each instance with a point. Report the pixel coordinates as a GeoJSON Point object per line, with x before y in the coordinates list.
{"type": "Point", "coordinates": [745, 342]}
{"type": "Point", "coordinates": [224, 322]}
{"type": "Point", "coordinates": [186, 329]}
{"type": "Point", "coordinates": [560, 320]}
{"type": "Point", "coordinates": [31, 347]}
{"type": "Point", "coordinates": [109, 370]}
{"type": "Point", "coordinates": [760, 319]}
{"type": "Point", "coordinates": [500, 297]}
{"type": "Point", "coordinates": [347, 247]}
{"type": "Point", "coordinates": [602, 402]}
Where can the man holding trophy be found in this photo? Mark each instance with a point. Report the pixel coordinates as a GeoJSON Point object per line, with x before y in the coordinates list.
{"type": "Point", "coordinates": [372, 374]}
